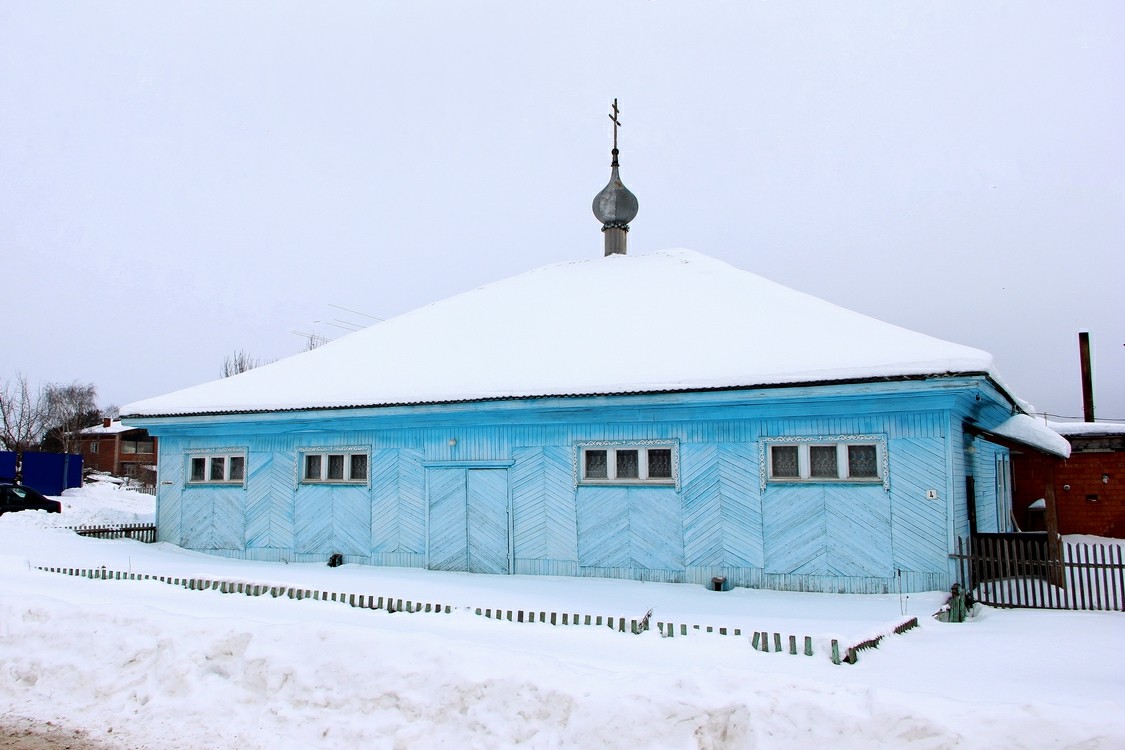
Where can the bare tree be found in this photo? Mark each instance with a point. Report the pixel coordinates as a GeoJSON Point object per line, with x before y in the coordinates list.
{"type": "Point", "coordinates": [239, 362]}
{"type": "Point", "coordinates": [69, 409]}
{"type": "Point", "coordinates": [315, 341]}
{"type": "Point", "coordinates": [23, 413]}
{"type": "Point", "coordinates": [47, 417]}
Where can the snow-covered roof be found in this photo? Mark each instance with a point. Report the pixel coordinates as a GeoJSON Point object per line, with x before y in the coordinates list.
{"type": "Point", "coordinates": [1030, 431]}
{"type": "Point", "coordinates": [668, 321]}
{"type": "Point", "coordinates": [1087, 429]}
{"type": "Point", "coordinates": [114, 428]}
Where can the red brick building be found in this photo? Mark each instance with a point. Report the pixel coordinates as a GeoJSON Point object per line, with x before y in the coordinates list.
{"type": "Point", "coordinates": [120, 450]}
{"type": "Point", "coordinates": [1089, 487]}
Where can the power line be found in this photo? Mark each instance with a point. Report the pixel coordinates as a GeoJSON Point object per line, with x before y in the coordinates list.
{"type": "Point", "coordinates": [356, 312]}
{"type": "Point", "coordinates": [1078, 418]}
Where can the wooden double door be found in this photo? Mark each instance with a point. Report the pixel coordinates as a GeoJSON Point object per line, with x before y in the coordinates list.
{"type": "Point", "coordinates": [469, 526]}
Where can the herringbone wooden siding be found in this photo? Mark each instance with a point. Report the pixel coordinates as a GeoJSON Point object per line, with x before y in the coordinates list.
{"type": "Point", "coordinates": [858, 530]}
{"type": "Point", "coordinates": [448, 529]}
{"type": "Point", "coordinates": [630, 527]}
{"type": "Point", "coordinates": [216, 520]}
{"type": "Point", "coordinates": [398, 502]}
{"type": "Point", "coordinates": [720, 522]}
{"type": "Point", "coordinates": [920, 527]}
{"type": "Point", "coordinates": [794, 529]}
{"type": "Point", "coordinates": [545, 525]}
{"type": "Point", "coordinates": [270, 520]}
{"type": "Point", "coordinates": [603, 527]}
{"type": "Point", "coordinates": [331, 519]}
{"type": "Point", "coordinates": [487, 507]}
{"type": "Point", "coordinates": [722, 505]}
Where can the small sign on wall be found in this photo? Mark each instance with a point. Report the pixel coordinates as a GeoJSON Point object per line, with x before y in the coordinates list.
{"type": "Point", "coordinates": [931, 494]}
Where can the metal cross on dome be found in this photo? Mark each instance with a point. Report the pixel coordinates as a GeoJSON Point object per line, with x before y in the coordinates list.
{"type": "Point", "coordinates": [616, 124]}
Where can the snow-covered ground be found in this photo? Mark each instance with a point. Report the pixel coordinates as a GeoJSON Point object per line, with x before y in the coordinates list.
{"type": "Point", "coordinates": [143, 664]}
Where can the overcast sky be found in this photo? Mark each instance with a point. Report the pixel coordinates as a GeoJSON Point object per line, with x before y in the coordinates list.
{"type": "Point", "coordinates": [182, 180]}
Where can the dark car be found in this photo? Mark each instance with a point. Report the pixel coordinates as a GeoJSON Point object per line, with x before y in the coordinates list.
{"type": "Point", "coordinates": [15, 497]}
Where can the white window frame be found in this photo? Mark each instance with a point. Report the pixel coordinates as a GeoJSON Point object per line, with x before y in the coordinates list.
{"type": "Point", "coordinates": [841, 444]}
{"type": "Point", "coordinates": [324, 453]}
{"type": "Point", "coordinates": [642, 447]}
{"type": "Point", "coordinates": [206, 457]}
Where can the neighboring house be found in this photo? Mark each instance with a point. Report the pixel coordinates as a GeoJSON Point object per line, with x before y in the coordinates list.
{"type": "Point", "coordinates": [119, 449]}
{"type": "Point", "coordinates": [664, 417]}
{"type": "Point", "coordinates": [1089, 486]}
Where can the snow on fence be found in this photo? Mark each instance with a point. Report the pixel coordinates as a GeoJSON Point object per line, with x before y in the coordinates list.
{"type": "Point", "coordinates": [760, 640]}
{"type": "Point", "coordinates": [142, 532]}
{"type": "Point", "coordinates": [1011, 572]}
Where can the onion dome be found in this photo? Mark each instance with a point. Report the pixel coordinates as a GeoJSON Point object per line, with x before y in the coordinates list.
{"type": "Point", "coordinates": [615, 206]}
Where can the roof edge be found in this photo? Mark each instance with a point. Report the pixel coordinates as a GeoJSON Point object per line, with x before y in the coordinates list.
{"type": "Point", "coordinates": [714, 389]}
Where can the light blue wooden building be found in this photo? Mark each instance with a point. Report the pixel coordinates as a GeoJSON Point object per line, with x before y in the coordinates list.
{"type": "Point", "coordinates": [664, 417]}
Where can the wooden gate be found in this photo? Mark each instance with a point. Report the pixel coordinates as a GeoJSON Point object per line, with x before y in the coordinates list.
{"type": "Point", "coordinates": [468, 520]}
{"type": "Point", "coordinates": [1005, 570]}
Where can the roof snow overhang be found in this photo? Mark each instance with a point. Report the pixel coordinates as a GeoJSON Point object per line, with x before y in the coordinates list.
{"type": "Point", "coordinates": [1022, 431]}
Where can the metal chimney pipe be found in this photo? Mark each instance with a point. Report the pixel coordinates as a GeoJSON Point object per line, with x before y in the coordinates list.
{"type": "Point", "coordinates": [1087, 376]}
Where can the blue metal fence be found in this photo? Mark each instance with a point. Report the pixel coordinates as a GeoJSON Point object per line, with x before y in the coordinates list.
{"type": "Point", "coordinates": [7, 466]}
{"type": "Point", "coordinates": [49, 473]}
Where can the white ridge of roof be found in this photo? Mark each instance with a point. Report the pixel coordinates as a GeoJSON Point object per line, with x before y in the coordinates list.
{"type": "Point", "coordinates": [671, 320]}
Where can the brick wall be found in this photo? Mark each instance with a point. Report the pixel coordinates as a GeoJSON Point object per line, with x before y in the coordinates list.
{"type": "Point", "coordinates": [109, 456]}
{"type": "Point", "coordinates": [102, 459]}
{"type": "Point", "coordinates": [1075, 479]}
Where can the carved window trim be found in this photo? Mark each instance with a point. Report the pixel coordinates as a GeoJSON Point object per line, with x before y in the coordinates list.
{"type": "Point", "coordinates": [611, 447]}
{"type": "Point", "coordinates": [347, 451]}
{"type": "Point", "coordinates": [840, 443]}
{"type": "Point", "coordinates": [207, 456]}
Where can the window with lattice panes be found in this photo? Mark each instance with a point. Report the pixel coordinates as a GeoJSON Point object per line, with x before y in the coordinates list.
{"type": "Point", "coordinates": [626, 464]}
{"type": "Point", "coordinates": [217, 468]}
{"type": "Point", "coordinates": [824, 461]}
{"type": "Point", "coordinates": [334, 467]}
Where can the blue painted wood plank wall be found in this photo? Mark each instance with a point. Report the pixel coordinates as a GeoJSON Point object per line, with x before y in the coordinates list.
{"type": "Point", "coordinates": [720, 520]}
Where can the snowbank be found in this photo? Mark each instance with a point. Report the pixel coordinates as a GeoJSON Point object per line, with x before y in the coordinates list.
{"type": "Point", "coordinates": [94, 504]}
{"type": "Point", "coordinates": [141, 664]}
